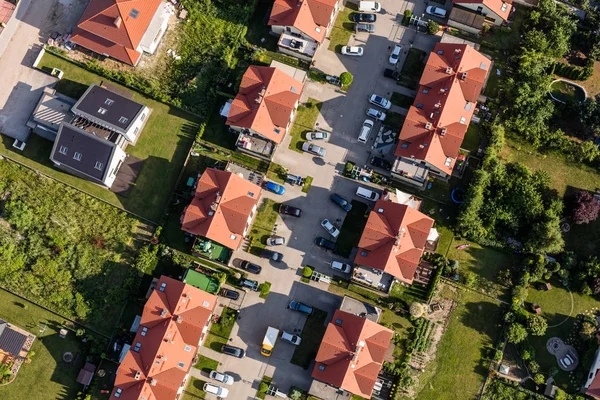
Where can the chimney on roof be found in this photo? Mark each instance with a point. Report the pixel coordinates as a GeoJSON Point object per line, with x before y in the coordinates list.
{"type": "Point", "coordinates": [449, 70]}
{"type": "Point", "coordinates": [117, 22]}
{"type": "Point", "coordinates": [163, 312]}
{"type": "Point", "coordinates": [428, 125]}
{"type": "Point", "coordinates": [153, 382]}
{"type": "Point", "coordinates": [457, 51]}
{"type": "Point", "coordinates": [179, 319]}
{"type": "Point", "coordinates": [138, 374]}
{"type": "Point", "coordinates": [463, 76]}
{"type": "Point", "coordinates": [443, 131]}
{"type": "Point", "coordinates": [438, 104]}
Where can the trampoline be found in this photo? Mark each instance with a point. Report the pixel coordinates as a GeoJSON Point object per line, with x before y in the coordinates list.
{"type": "Point", "coordinates": [457, 195]}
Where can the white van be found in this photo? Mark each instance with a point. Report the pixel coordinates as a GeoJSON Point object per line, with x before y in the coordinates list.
{"type": "Point", "coordinates": [365, 131]}
{"type": "Point", "coordinates": [367, 194]}
{"type": "Point", "coordinates": [369, 6]}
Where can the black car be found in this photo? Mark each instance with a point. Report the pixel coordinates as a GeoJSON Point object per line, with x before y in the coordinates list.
{"type": "Point", "coordinates": [362, 17]}
{"type": "Point", "coordinates": [230, 294]}
{"type": "Point", "coordinates": [271, 255]}
{"type": "Point", "coordinates": [340, 201]}
{"type": "Point", "coordinates": [325, 243]}
{"type": "Point", "coordinates": [289, 210]}
{"type": "Point", "coordinates": [390, 73]}
{"type": "Point", "coordinates": [252, 268]}
{"type": "Point", "coordinates": [381, 163]}
{"type": "Point", "coordinates": [233, 351]}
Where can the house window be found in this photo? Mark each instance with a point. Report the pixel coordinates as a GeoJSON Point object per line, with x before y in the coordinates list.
{"type": "Point", "coordinates": [63, 150]}
{"type": "Point", "coordinates": [123, 120]}
{"type": "Point", "coordinates": [143, 116]}
{"type": "Point", "coordinates": [137, 347]}
{"type": "Point", "coordinates": [504, 7]}
{"type": "Point", "coordinates": [109, 102]}
{"type": "Point", "coordinates": [463, 120]}
{"type": "Point", "coordinates": [338, 321]}
{"type": "Point", "coordinates": [187, 348]}
{"type": "Point", "coordinates": [232, 237]}
{"type": "Point", "coordinates": [118, 392]}
{"type": "Point", "coordinates": [277, 130]}
{"type": "Point", "coordinates": [102, 111]}
{"type": "Point", "coordinates": [440, 52]}
{"type": "Point", "coordinates": [288, 29]}
{"type": "Point", "coordinates": [98, 166]}
{"type": "Point", "coordinates": [136, 131]}
{"type": "Point", "coordinates": [404, 145]}
{"type": "Point", "coordinates": [134, 13]}
{"type": "Point", "coordinates": [419, 105]}
{"type": "Point", "coordinates": [448, 161]}
{"type": "Point", "coordinates": [77, 156]}
{"type": "Point", "coordinates": [425, 91]}
{"type": "Point", "coordinates": [321, 367]}
{"type": "Point", "coordinates": [162, 287]}
{"type": "Point", "coordinates": [251, 194]}
{"type": "Point", "coordinates": [144, 331]}
{"type": "Point", "coordinates": [363, 253]}
{"type": "Point", "coordinates": [180, 364]}
{"type": "Point", "coordinates": [483, 66]}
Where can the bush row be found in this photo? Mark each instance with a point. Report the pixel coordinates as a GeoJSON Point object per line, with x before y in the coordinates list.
{"type": "Point", "coordinates": [574, 72]}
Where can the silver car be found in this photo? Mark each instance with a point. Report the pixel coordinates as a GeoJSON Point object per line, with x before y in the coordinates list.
{"type": "Point", "coordinates": [216, 390]}
{"type": "Point", "coordinates": [330, 228]}
{"type": "Point", "coordinates": [352, 51]}
{"type": "Point", "coordinates": [316, 135]}
{"type": "Point", "coordinates": [275, 241]}
{"type": "Point", "coordinates": [370, 28]}
{"type": "Point", "coordinates": [374, 113]}
{"type": "Point", "coordinates": [223, 378]}
{"type": "Point", "coordinates": [288, 337]}
{"type": "Point", "coordinates": [313, 149]}
{"type": "Point", "coordinates": [380, 101]}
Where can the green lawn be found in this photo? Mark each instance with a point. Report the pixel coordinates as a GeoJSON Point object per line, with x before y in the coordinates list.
{"type": "Point", "coordinates": [394, 120]}
{"type": "Point", "coordinates": [47, 376]}
{"type": "Point", "coordinates": [216, 132]}
{"type": "Point", "coordinates": [276, 173]}
{"type": "Point", "coordinates": [307, 184]}
{"type": "Point", "coordinates": [409, 294]}
{"type": "Point", "coordinates": [193, 390]}
{"type": "Point", "coordinates": [402, 100]}
{"type": "Point", "coordinates": [305, 120]}
{"type": "Point", "coordinates": [206, 364]}
{"type": "Point", "coordinates": [219, 333]}
{"type": "Point", "coordinates": [311, 335]}
{"type": "Point", "coordinates": [460, 367]}
{"type": "Point", "coordinates": [352, 229]}
{"type": "Point", "coordinates": [413, 68]}
{"type": "Point", "coordinates": [472, 138]}
{"type": "Point", "coordinates": [343, 28]}
{"type": "Point", "coordinates": [163, 146]}
{"type": "Point", "coordinates": [263, 224]}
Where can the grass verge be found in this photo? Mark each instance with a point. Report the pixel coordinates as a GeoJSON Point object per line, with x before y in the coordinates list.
{"type": "Point", "coordinates": [307, 184]}
{"type": "Point", "coordinates": [193, 390]}
{"type": "Point", "coordinates": [263, 224]}
{"type": "Point", "coordinates": [305, 120]}
{"type": "Point", "coordinates": [352, 228]}
{"type": "Point", "coordinates": [219, 333]}
{"type": "Point", "coordinates": [276, 173]}
{"type": "Point", "coordinates": [264, 289]}
{"type": "Point", "coordinates": [311, 335]}
{"type": "Point", "coordinates": [206, 364]}
{"type": "Point", "coordinates": [267, 381]}
{"type": "Point", "coordinates": [342, 29]}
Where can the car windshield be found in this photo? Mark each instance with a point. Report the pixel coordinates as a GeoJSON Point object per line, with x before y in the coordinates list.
{"type": "Point", "coordinates": [378, 99]}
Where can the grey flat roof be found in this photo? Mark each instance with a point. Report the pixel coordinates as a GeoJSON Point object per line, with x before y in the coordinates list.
{"type": "Point", "coordinates": [97, 97]}
{"type": "Point", "coordinates": [11, 341]}
{"type": "Point", "coordinates": [52, 109]}
{"type": "Point", "coordinates": [92, 149]}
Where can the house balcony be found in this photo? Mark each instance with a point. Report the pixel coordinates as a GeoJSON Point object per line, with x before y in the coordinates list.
{"type": "Point", "coordinates": [255, 146]}
{"type": "Point", "coordinates": [295, 46]}
{"type": "Point", "coordinates": [411, 173]}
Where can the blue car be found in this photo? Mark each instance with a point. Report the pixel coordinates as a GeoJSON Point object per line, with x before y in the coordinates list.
{"type": "Point", "coordinates": [301, 307]}
{"type": "Point", "coordinates": [275, 188]}
{"type": "Point", "coordinates": [342, 202]}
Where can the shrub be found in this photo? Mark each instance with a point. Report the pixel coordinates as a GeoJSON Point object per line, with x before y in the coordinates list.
{"type": "Point", "coordinates": [539, 379]}
{"type": "Point", "coordinates": [432, 27]}
{"type": "Point", "coordinates": [264, 289]}
{"type": "Point", "coordinates": [585, 208]}
{"type": "Point", "coordinates": [307, 272]}
{"type": "Point", "coordinates": [263, 387]}
{"type": "Point", "coordinates": [346, 78]}
{"type": "Point", "coordinates": [516, 333]}
{"type": "Point", "coordinates": [408, 13]}
{"type": "Point", "coordinates": [417, 309]}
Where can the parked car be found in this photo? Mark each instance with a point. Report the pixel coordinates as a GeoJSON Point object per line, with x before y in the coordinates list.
{"type": "Point", "coordinates": [289, 210]}
{"type": "Point", "coordinates": [252, 268]}
{"type": "Point", "coordinates": [369, 28]}
{"type": "Point", "coordinates": [316, 135]}
{"type": "Point", "coordinates": [271, 255]}
{"type": "Point", "coordinates": [250, 284]}
{"type": "Point", "coordinates": [395, 54]}
{"type": "Point", "coordinates": [230, 294]}
{"type": "Point", "coordinates": [330, 228]}
{"type": "Point", "coordinates": [288, 337]}
{"type": "Point", "coordinates": [219, 377]}
{"type": "Point", "coordinates": [276, 241]}
{"type": "Point", "coordinates": [352, 51]}
{"type": "Point", "coordinates": [437, 11]}
{"type": "Point", "coordinates": [365, 131]}
{"type": "Point", "coordinates": [380, 101]}
{"type": "Point", "coordinates": [391, 73]}
{"type": "Point", "coordinates": [367, 194]}
{"type": "Point", "coordinates": [340, 201]}
{"type": "Point", "coordinates": [274, 187]}
{"type": "Point", "coordinates": [325, 243]}
{"type": "Point", "coordinates": [216, 390]}
{"type": "Point", "coordinates": [364, 17]}
{"type": "Point", "coordinates": [374, 113]}
{"type": "Point", "coordinates": [233, 351]}
{"type": "Point", "coordinates": [300, 307]}
{"type": "Point", "coordinates": [313, 149]}
{"type": "Point", "coordinates": [380, 163]}
{"type": "Point", "coordinates": [341, 267]}
{"type": "Point", "coordinates": [369, 6]}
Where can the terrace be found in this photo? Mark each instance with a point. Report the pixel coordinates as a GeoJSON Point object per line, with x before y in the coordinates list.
{"type": "Point", "coordinates": [410, 173]}
{"type": "Point", "coordinates": [254, 145]}
{"type": "Point", "coordinates": [297, 47]}
{"type": "Point", "coordinates": [206, 248]}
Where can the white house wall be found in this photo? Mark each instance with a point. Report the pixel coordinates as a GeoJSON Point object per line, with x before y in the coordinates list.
{"type": "Point", "coordinates": [488, 13]}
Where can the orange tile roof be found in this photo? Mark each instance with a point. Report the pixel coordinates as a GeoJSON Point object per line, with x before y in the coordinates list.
{"type": "Point", "coordinates": [351, 353]}
{"type": "Point", "coordinates": [221, 207]}
{"type": "Point", "coordinates": [170, 331]}
{"type": "Point", "coordinates": [98, 30]}
{"type": "Point", "coordinates": [494, 5]}
{"type": "Point", "coordinates": [394, 239]}
{"type": "Point", "coordinates": [311, 17]}
{"type": "Point", "coordinates": [449, 87]}
{"type": "Point", "coordinates": [265, 102]}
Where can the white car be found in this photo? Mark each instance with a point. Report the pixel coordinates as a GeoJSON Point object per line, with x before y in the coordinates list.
{"type": "Point", "coordinates": [313, 149]}
{"type": "Point", "coordinates": [329, 227]}
{"type": "Point", "coordinates": [341, 267]}
{"type": "Point", "coordinates": [380, 101]}
{"type": "Point", "coordinates": [352, 51]}
{"type": "Point", "coordinates": [395, 54]}
{"type": "Point", "coordinates": [288, 337]}
{"type": "Point", "coordinates": [437, 11]}
{"type": "Point", "coordinates": [216, 390]}
{"type": "Point", "coordinates": [223, 378]}
{"type": "Point", "coordinates": [316, 135]}
{"type": "Point", "coordinates": [378, 115]}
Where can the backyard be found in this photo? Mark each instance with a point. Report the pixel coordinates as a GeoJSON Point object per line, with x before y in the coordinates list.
{"type": "Point", "coordinates": [351, 229]}
{"type": "Point", "coordinates": [219, 332]}
{"type": "Point", "coordinates": [306, 117]}
{"type": "Point", "coordinates": [472, 138]}
{"type": "Point", "coordinates": [343, 28]}
{"type": "Point", "coordinates": [311, 335]}
{"type": "Point", "coordinates": [412, 69]}
{"type": "Point", "coordinates": [163, 147]}
{"type": "Point", "coordinates": [193, 390]}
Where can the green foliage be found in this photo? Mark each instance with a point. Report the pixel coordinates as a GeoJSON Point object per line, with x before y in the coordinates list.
{"type": "Point", "coordinates": [498, 354]}
{"type": "Point", "coordinates": [5, 373]}
{"type": "Point", "coordinates": [537, 325]}
{"type": "Point", "coordinates": [432, 27]}
{"type": "Point", "coordinates": [307, 271]}
{"type": "Point", "coordinates": [539, 379]}
{"type": "Point", "coordinates": [346, 78]}
{"type": "Point", "coordinates": [516, 333]}
{"type": "Point", "coordinates": [264, 289]}
{"type": "Point", "coordinates": [503, 389]}
{"type": "Point", "coordinates": [470, 279]}
{"type": "Point", "coordinates": [263, 387]}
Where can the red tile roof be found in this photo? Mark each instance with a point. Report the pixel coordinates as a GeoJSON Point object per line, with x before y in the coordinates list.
{"type": "Point", "coordinates": [265, 102]}
{"type": "Point", "coordinates": [114, 28]}
{"type": "Point", "coordinates": [221, 207]}
{"type": "Point", "coordinates": [351, 353]}
{"type": "Point", "coordinates": [6, 11]}
{"type": "Point", "coordinates": [494, 5]}
{"type": "Point", "coordinates": [311, 17]}
{"type": "Point", "coordinates": [450, 85]}
{"type": "Point", "coordinates": [394, 239]}
{"type": "Point", "coordinates": [170, 330]}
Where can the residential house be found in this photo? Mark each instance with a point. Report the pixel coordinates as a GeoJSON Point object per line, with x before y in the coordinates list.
{"type": "Point", "coordinates": [51, 110]}
{"type": "Point", "coordinates": [592, 385]}
{"type": "Point", "coordinates": [438, 120]}
{"type": "Point", "coordinates": [123, 29]}
{"type": "Point", "coordinates": [222, 208]}
{"type": "Point", "coordinates": [473, 15]}
{"type": "Point", "coordinates": [393, 242]}
{"type": "Point", "coordinates": [264, 108]}
{"type": "Point", "coordinates": [352, 353]}
{"type": "Point", "coordinates": [174, 324]}
{"type": "Point", "coordinates": [15, 344]}
{"type": "Point", "coordinates": [302, 25]}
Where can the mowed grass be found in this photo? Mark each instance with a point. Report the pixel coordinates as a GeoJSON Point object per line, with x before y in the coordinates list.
{"type": "Point", "coordinates": [163, 146]}
{"type": "Point", "coordinates": [193, 390]}
{"type": "Point", "coordinates": [306, 117]}
{"type": "Point", "coordinates": [47, 376]}
{"type": "Point", "coordinates": [342, 29]}
{"type": "Point", "coordinates": [263, 224]}
{"type": "Point", "coordinates": [219, 333]}
{"type": "Point", "coordinates": [460, 368]}
{"type": "Point", "coordinates": [206, 364]}
{"type": "Point", "coordinates": [472, 138]}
